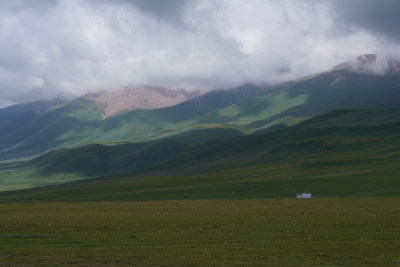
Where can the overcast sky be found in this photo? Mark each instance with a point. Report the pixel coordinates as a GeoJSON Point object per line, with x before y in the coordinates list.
{"type": "Point", "coordinates": [64, 48]}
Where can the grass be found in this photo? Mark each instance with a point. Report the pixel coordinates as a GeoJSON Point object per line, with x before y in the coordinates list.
{"type": "Point", "coordinates": [273, 232]}
{"type": "Point", "coordinates": [99, 159]}
{"type": "Point", "coordinates": [256, 109]}
{"type": "Point", "coordinates": [323, 178]}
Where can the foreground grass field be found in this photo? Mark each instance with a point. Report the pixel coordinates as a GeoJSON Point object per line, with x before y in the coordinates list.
{"type": "Point", "coordinates": [281, 232]}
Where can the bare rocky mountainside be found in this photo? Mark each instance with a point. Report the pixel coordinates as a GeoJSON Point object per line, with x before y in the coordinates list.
{"type": "Point", "coordinates": [371, 64]}
{"type": "Point", "coordinates": [139, 97]}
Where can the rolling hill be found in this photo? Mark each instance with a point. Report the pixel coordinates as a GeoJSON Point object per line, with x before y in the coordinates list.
{"type": "Point", "coordinates": [340, 153]}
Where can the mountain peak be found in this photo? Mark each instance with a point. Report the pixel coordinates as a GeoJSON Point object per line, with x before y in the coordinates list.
{"type": "Point", "coordinates": [139, 97]}
{"type": "Point", "coordinates": [371, 64]}
{"type": "Point", "coordinates": [363, 63]}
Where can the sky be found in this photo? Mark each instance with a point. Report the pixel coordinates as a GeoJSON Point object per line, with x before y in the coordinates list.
{"type": "Point", "coordinates": [66, 48]}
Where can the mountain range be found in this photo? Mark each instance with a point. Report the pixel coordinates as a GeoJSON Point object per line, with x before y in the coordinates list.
{"type": "Point", "coordinates": [226, 139]}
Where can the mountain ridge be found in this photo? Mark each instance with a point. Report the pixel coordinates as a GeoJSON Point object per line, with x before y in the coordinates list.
{"type": "Point", "coordinates": [251, 108]}
{"type": "Point", "coordinates": [244, 111]}
{"type": "Point", "coordinates": [371, 64]}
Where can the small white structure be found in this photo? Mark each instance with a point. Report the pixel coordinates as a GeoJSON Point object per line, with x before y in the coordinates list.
{"type": "Point", "coordinates": [303, 195]}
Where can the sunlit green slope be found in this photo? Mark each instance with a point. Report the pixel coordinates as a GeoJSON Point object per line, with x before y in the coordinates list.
{"type": "Point", "coordinates": [79, 121]}
{"type": "Point", "coordinates": [340, 153]}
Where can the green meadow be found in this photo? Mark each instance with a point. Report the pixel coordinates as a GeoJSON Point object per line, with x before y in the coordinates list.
{"type": "Point", "coordinates": [269, 232]}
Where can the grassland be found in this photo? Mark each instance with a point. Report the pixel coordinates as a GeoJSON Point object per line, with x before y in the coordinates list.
{"type": "Point", "coordinates": [272, 232]}
{"type": "Point", "coordinates": [323, 178]}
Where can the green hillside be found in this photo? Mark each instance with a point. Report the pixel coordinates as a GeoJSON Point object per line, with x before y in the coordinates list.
{"type": "Point", "coordinates": [340, 153]}
{"type": "Point", "coordinates": [79, 122]}
{"type": "Point", "coordinates": [344, 89]}
{"type": "Point", "coordinates": [43, 130]}
{"type": "Point", "coordinates": [247, 109]}
{"type": "Point", "coordinates": [276, 108]}
{"type": "Point", "coordinates": [147, 125]}
{"type": "Point", "coordinates": [13, 121]}
{"type": "Point", "coordinates": [99, 159]}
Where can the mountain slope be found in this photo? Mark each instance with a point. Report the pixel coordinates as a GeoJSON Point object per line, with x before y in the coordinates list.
{"type": "Point", "coordinates": [344, 89]}
{"type": "Point", "coordinates": [93, 160]}
{"type": "Point", "coordinates": [247, 109]}
{"type": "Point", "coordinates": [340, 153]}
{"type": "Point", "coordinates": [13, 120]}
{"type": "Point", "coordinates": [42, 131]}
{"type": "Point", "coordinates": [80, 121]}
{"type": "Point", "coordinates": [337, 131]}
{"type": "Point", "coordinates": [276, 108]}
{"type": "Point", "coordinates": [99, 159]}
{"type": "Point", "coordinates": [291, 102]}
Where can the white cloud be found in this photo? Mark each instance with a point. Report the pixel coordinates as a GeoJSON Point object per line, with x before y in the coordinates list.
{"type": "Point", "coordinates": [70, 47]}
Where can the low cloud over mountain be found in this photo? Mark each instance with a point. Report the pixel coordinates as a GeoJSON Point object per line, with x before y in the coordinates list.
{"type": "Point", "coordinates": [63, 48]}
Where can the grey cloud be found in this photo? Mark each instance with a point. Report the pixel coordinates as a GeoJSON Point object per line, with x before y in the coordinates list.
{"type": "Point", "coordinates": [71, 47]}
{"type": "Point", "coordinates": [171, 11]}
{"type": "Point", "coordinates": [379, 16]}
{"type": "Point", "coordinates": [162, 8]}
{"type": "Point", "coordinates": [18, 5]}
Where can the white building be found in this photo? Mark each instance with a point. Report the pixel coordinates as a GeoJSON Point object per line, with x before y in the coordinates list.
{"type": "Point", "coordinates": [303, 195]}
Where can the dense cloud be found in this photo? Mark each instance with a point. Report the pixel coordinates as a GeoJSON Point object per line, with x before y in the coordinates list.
{"type": "Point", "coordinates": [380, 17]}
{"type": "Point", "coordinates": [62, 48]}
